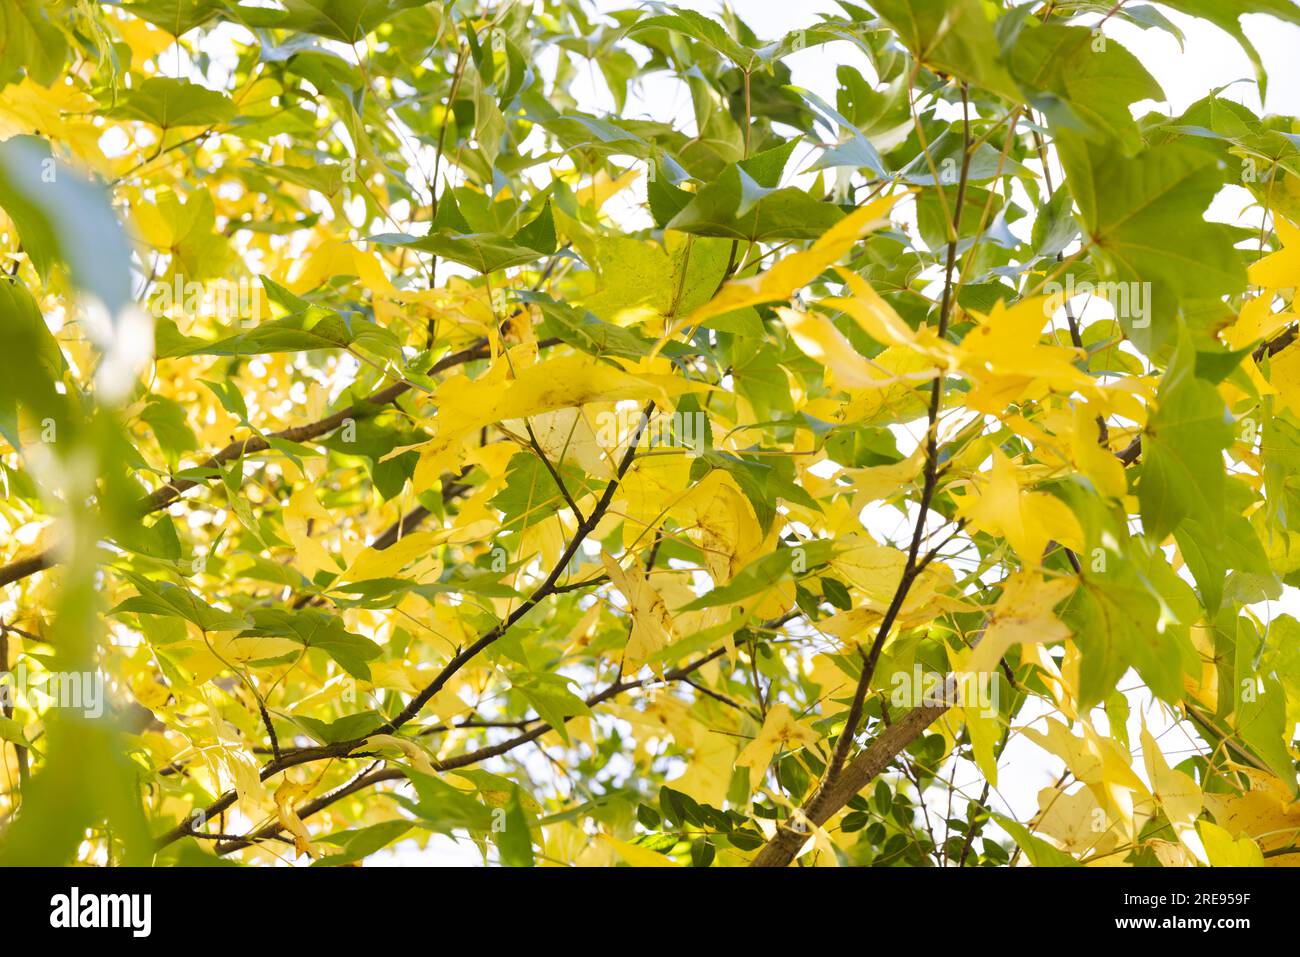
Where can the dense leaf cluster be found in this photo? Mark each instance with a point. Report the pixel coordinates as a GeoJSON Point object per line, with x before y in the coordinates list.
{"type": "Point", "coordinates": [409, 428]}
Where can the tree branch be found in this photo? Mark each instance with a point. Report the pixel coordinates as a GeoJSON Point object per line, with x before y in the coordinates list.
{"type": "Point", "coordinates": [857, 774]}
{"type": "Point", "coordinates": [366, 779]}
{"type": "Point", "coordinates": [832, 796]}
{"type": "Point", "coordinates": [165, 495]}
{"type": "Point", "coordinates": [344, 749]}
{"type": "Point", "coordinates": [555, 475]}
{"type": "Point", "coordinates": [912, 569]}
{"type": "Point", "coordinates": [543, 591]}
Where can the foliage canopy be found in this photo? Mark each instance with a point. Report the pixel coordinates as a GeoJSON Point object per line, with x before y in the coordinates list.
{"type": "Point", "coordinates": [397, 444]}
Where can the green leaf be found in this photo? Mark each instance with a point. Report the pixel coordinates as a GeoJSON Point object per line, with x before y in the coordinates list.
{"type": "Point", "coordinates": [1145, 219]}
{"type": "Point", "coordinates": [484, 251]}
{"type": "Point", "coordinates": [231, 399]}
{"type": "Point", "coordinates": [931, 220]}
{"type": "Point", "coordinates": [744, 203]}
{"type": "Point", "coordinates": [1095, 80]}
{"type": "Point", "coordinates": [1182, 452]}
{"type": "Point", "coordinates": [706, 30]}
{"type": "Point", "coordinates": [702, 852]}
{"type": "Point", "coordinates": [29, 42]}
{"type": "Point", "coordinates": [166, 417]}
{"type": "Point", "coordinates": [489, 123]}
{"type": "Point", "coordinates": [31, 361]}
{"type": "Point", "coordinates": [1055, 226]}
{"type": "Point", "coordinates": [318, 629]}
{"type": "Point", "coordinates": [583, 330]}
{"type": "Point", "coordinates": [857, 150]}
{"type": "Point", "coordinates": [11, 730]}
{"type": "Point", "coordinates": [515, 840]}
{"type": "Point", "coordinates": [1260, 705]}
{"type": "Point", "coordinates": [360, 843]}
{"type": "Point", "coordinates": [171, 103]}
{"type": "Point", "coordinates": [325, 178]}
{"type": "Point", "coordinates": [1039, 852]}
{"type": "Point", "coordinates": [446, 809]}
{"type": "Point", "coordinates": [345, 20]}
{"type": "Point", "coordinates": [172, 601]}
{"type": "Point", "coordinates": [1131, 610]}
{"type": "Point", "coordinates": [765, 573]}
{"type": "Point", "coordinates": [347, 728]}
{"type": "Point", "coordinates": [666, 281]}
{"type": "Point", "coordinates": [953, 37]}
{"type": "Point", "coordinates": [551, 698]}
{"type": "Point", "coordinates": [1210, 555]}
{"type": "Point", "coordinates": [316, 328]}
{"type": "Point", "coordinates": [157, 539]}
{"type": "Point", "coordinates": [177, 17]}
{"type": "Point", "coordinates": [944, 158]}
{"type": "Point", "coordinates": [530, 493]}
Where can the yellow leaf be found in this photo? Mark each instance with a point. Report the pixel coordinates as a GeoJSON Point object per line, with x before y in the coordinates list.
{"type": "Point", "coordinates": [654, 484]}
{"type": "Point", "coordinates": [985, 732]}
{"type": "Point", "coordinates": [652, 625]}
{"type": "Point", "coordinates": [391, 674]}
{"type": "Point", "coordinates": [62, 112]}
{"type": "Point", "coordinates": [780, 732]}
{"type": "Point", "coordinates": [1177, 794]}
{"type": "Point", "coordinates": [1076, 822]}
{"type": "Point", "coordinates": [556, 383]}
{"type": "Point", "coordinates": [333, 257]}
{"type": "Point", "coordinates": [1265, 813]}
{"type": "Point", "coordinates": [1028, 520]}
{"type": "Point", "coordinates": [1204, 687]}
{"type": "Point", "coordinates": [145, 40]}
{"type": "Point", "coordinates": [874, 569]}
{"type": "Point", "coordinates": [881, 481]}
{"type": "Point", "coordinates": [669, 713]}
{"type": "Point", "coordinates": [1008, 363]}
{"type": "Point", "coordinates": [253, 647]}
{"type": "Point", "coordinates": [894, 397]}
{"type": "Point", "coordinates": [877, 318]}
{"type": "Point", "coordinates": [567, 436]}
{"type": "Point", "coordinates": [1102, 468]}
{"type": "Point", "coordinates": [285, 796]}
{"type": "Point", "coordinates": [817, 338]}
{"type": "Point", "coordinates": [602, 187]}
{"type": "Point", "coordinates": [1022, 614]}
{"type": "Point", "coordinates": [309, 554]}
{"type": "Point", "coordinates": [635, 855]}
{"type": "Point", "coordinates": [1284, 377]}
{"type": "Point", "coordinates": [708, 774]}
{"type": "Point", "coordinates": [1101, 764]}
{"type": "Point", "coordinates": [386, 563]}
{"type": "Point", "coordinates": [834, 684]}
{"type": "Point", "coordinates": [722, 523]}
{"type": "Point", "coordinates": [439, 455]}
{"type": "Point", "coordinates": [1255, 322]}
{"type": "Point", "coordinates": [1280, 270]}
{"type": "Point", "coordinates": [1223, 851]}
{"type": "Point", "coordinates": [1171, 854]}
{"type": "Point", "coordinates": [795, 271]}
{"type": "Point", "coordinates": [414, 753]}
{"type": "Point", "coordinates": [243, 769]}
